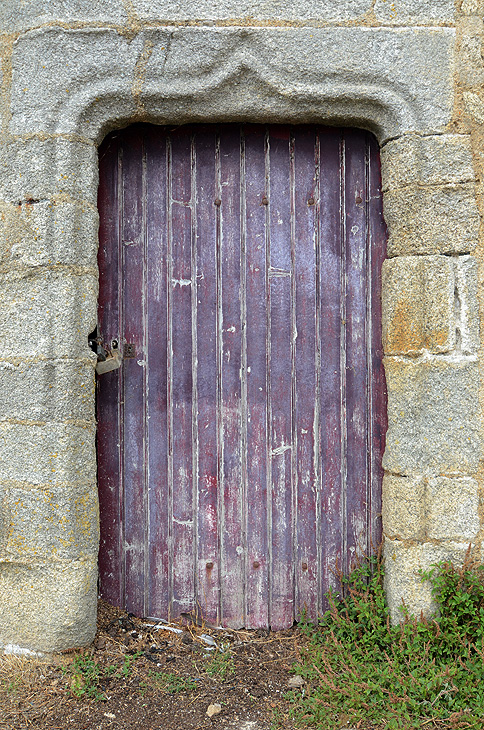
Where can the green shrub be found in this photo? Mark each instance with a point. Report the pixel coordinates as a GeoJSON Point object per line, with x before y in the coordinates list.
{"type": "Point", "coordinates": [424, 673]}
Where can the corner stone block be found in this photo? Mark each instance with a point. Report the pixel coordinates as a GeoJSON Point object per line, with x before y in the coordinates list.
{"type": "Point", "coordinates": [65, 600]}
{"type": "Point", "coordinates": [406, 12]}
{"type": "Point", "coordinates": [452, 509]}
{"type": "Point", "coordinates": [433, 416]}
{"type": "Point", "coordinates": [47, 234]}
{"type": "Point", "coordinates": [64, 80]}
{"type": "Point", "coordinates": [54, 390]}
{"type": "Point", "coordinates": [46, 170]}
{"type": "Point", "coordinates": [47, 314]}
{"type": "Point", "coordinates": [58, 523]}
{"type": "Point", "coordinates": [431, 220]}
{"type": "Point", "coordinates": [403, 507]}
{"type": "Point", "coordinates": [49, 455]}
{"type": "Point", "coordinates": [403, 584]}
{"type": "Point", "coordinates": [418, 305]}
{"type": "Point", "coordinates": [433, 160]}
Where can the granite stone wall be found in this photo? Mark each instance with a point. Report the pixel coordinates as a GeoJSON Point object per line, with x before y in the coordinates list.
{"type": "Point", "coordinates": [71, 70]}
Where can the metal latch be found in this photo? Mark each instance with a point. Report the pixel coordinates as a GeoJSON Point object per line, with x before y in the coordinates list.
{"type": "Point", "coordinates": [112, 362]}
{"type": "Point", "coordinates": [107, 359]}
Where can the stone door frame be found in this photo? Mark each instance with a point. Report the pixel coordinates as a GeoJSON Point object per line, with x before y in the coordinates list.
{"type": "Point", "coordinates": [68, 87]}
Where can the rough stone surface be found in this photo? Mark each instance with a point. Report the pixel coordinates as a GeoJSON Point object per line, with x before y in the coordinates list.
{"type": "Point", "coordinates": [378, 77]}
{"type": "Point", "coordinates": [433, 416]}
{"type": "Point", "coordinates": [469, 60]}
{"type": "Point", "coordinates": [46, 234]}
{"type": "Point", "coordinates": [65, 598]}
{"type": "Point", "coordinates": [54, 390]}
{"type": "Point", "coordinates": [46, 170]}
{"type": "Point", "coordinates": [403, 584]}
{"type": "Point", "coordinates": [431, 220]}
{"type": "Point", "coordinates": [53, 454]}
{"type": "Point", "coordinates": [18, 16]}
{"type": "Point", "coordinates": [47, 314]}
{"type": "Point", "coordinates": [452, 509]}
{"type": "Point", "coordinates": [408, 12]}
{"type": "Point", "coordinates": [326, 10]}
{"type": "Point", "coordinates": [432, 160]}
{"type": "Point", "coordinates": [403, 510]}
{"type": "Point", "coordinates": [467, 313]}
{"type": "Point", "coordinates": [57, 523]}
{"type": "Point", "coordinates": [418, 305]}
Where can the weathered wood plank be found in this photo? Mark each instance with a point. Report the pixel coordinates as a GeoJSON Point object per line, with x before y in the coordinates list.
{"type": "Point", "coordinates": [109, 437]}
{"type": "Point", "coordinates": [207, 228]}
{"type": "Point", "coordinates": [280, 379]}
{"type": "Point", "coordinates": [232, 539]}
{"type": "Point", "coordinates": [180, 212]}
{"type": "Point", "coordinates": [158, 537]}
{"type": "Point", "coordinates": [257, 577]}
{"type": "Point", "coordinates": [133, 404]}
{"type": "Point", "coordinates": [306, 427]}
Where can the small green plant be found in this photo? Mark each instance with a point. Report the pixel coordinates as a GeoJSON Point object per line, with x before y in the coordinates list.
{"type": "Point", "coordinates": [170, 682]}
{"type": "Point", "coordinates": [86, 675]}
{"type": "Point", "coordinates": [11, 686]}
{"type": "Point", "coordinates": [128, 663]}
{"type": "Point", "coordinates": [359, 668]}
{"type": "Point", "coordinates": [221, 664]}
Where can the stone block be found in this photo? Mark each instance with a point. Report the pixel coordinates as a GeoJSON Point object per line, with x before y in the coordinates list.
{"type": "Point", "coordinates": [433, 416]}
{"type": "Point", "coordinates": [469, 61]}
{"type": "Point", "coordinates": [64, 595]}
{"type": "Point", "coordinates": [418, 305]}
{"type": "Point", "coordinates": [53, 390]}
{"type": "Point", "coordinates": [403, 510]}
{"type": "Point", "coordinates": [403, 584]}
{"type": "Point", "coordinates": [431, 220]}
{"type": "Point", "coordinates": [58, 523]}
{"type": "Point", "coordinates": [472, 7]}
{"type": "Point", "coordinates": [433, 160]}
{"type": "Point", "coordinates": [46, 234]}
{"type": "Point", "coordinates": [474, 106]}
{"type": "Point", "coordinates": [47, 314]}
{"type": "Point", "coordinates": [16, 17]}
{"type": "Point", "coordinates": [46, 170]}
{"type": "Point", "coordinates": [452, 509]}
{"type": "Point", "coordinates": [327, 10]}
{"type": "Point", "coordinates": [53, 454]}
{"type": "Point", "coordinates": [407, 12]}
{"type": "Point", "coordinates": [165, 75]}
{"type": "Point", "coordinates": [467, 308]}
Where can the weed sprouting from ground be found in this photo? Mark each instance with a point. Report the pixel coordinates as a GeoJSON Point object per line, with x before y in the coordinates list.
{"type": "Point", "coordinates": [360, 668]}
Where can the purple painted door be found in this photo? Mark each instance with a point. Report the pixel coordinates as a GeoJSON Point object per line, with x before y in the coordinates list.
{"type": "Point", "coordinates": [240, 441]}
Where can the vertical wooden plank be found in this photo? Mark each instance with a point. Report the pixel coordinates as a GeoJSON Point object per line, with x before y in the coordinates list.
{"type": "Point", "coordinates": [306, 202]}
{"type": "Point", "coordinates": [257, 577]}
{"type": "Point", "coordinates": [207, 212]}
{"type": "Point", "coordinates": [232, 537]}
{"type": "Point", "coordinates": [331, 287]}
{"type": "Point", "coordinates": [356, 343]}
{"type": "Point", "coordinates": [280, 378]}
{"type": "Point", "coordinates": [377, 402]}
{"type": "Point", "coordinates": [181, 374]}
{"type": "Point", "coordinates": [134, 371]}
{"type": "Point", "coordinates": [107, 402]}
{"type": "Point", "coordinates": [156, 372]}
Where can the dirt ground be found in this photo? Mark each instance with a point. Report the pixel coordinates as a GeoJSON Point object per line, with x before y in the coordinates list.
{"type": "Point", "coordinates": [140, 676]}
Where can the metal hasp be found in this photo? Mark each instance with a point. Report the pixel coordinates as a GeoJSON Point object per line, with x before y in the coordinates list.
{"type": "Point", "coordinates": [240, 449]}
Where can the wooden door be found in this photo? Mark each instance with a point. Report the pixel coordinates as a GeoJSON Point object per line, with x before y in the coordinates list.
{"type": "Point", "coordinates": [240, 442]}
